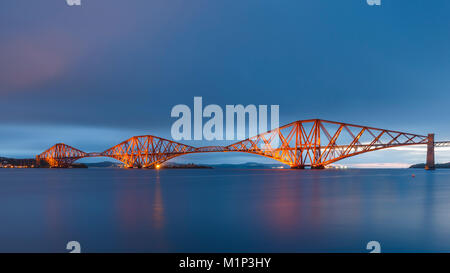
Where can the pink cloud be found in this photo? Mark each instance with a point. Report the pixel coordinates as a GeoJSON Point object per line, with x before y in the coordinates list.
{"type": "Point", "coordinates": [29, 61]}
{"type": "Point", "coordinates": [379, 165]}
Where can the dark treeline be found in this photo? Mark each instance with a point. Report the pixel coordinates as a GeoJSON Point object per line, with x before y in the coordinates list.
{"type": "Point", "coordinates": [438, 166]}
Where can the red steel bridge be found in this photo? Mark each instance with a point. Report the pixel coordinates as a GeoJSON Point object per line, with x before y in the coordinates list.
{"type": "Point", "coordinates": [314, 143]}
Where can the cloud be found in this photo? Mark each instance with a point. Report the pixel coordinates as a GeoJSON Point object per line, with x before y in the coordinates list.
{"type": "Point", "coordinates": [31, 60]}
{"type": "Point", "coordinates": [420, 148]}
{"type": "Point", "coordinates": [395, 165]}
{"type": "Point", "coordinates": [29, 140]}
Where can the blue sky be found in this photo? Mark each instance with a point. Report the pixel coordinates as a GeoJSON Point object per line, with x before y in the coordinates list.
{"type": "Point", "coordinates": [94, 75]}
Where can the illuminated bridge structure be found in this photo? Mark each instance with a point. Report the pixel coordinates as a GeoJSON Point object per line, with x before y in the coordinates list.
{"type": "Point", "coordinates": [311, 143]}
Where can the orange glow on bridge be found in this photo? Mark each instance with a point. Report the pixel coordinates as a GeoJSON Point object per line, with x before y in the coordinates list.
{"type": "Point", "coordinates": [315, 143]}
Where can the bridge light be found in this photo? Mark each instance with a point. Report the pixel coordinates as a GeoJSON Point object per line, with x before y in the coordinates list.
{"type": "Point", "coordinates": [158, 166]}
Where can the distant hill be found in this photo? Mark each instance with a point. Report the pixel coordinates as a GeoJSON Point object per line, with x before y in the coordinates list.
{"type": "Point", "coordinates": [438, 166]}
{"type": "Point", "coordinates": [173, 165]}
{"type": "Point", "coordinates": [168, 165]}
{"type": "Point", "coordinates": [104, 164]}
{"type": "Point", "coordinates": [249, 165]}
{"type": "Point", "coordinates": [17, 161]}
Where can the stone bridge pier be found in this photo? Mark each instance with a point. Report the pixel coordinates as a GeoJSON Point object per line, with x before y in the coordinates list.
{"type": "Point", "coordinates": [430, 153]}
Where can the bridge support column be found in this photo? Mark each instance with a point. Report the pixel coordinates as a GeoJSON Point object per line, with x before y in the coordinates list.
{"type": "Point", "coordinates": [430, 153]}
{"type": "Point", "coordinates": [300, 167]}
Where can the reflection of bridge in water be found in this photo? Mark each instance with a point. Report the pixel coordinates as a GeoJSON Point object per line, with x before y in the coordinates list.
{"type": "Point", "coordinates": [314, 143]}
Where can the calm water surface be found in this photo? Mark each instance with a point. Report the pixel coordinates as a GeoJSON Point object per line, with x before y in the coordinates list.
{"type": "Point", "coordinates": [224, 210]}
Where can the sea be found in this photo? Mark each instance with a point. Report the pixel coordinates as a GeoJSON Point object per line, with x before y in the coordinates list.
{"type": "Point", "coordinates": [224, 210]}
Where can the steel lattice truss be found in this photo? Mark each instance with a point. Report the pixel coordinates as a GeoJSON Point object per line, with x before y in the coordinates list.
{"type": "Point", "coordinates": [147, 151]}
{"type": "Point", "coordinates": [317, 143]}
{"type": "Point", "coordinates": [60, 155]}
{"type": "Point", "coordinates": [442, 144]}
{"type": "Point", "coordinates": [314, 143]}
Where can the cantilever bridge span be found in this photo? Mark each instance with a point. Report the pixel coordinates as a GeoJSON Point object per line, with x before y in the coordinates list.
{"type": "Point", "coordinates": [314, 143]}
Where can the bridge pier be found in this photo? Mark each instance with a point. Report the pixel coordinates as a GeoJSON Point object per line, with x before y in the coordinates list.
{"type": "Point", "coordinates": [430, 153]}
{"type": "Point", "coordinates": [300, 167]}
